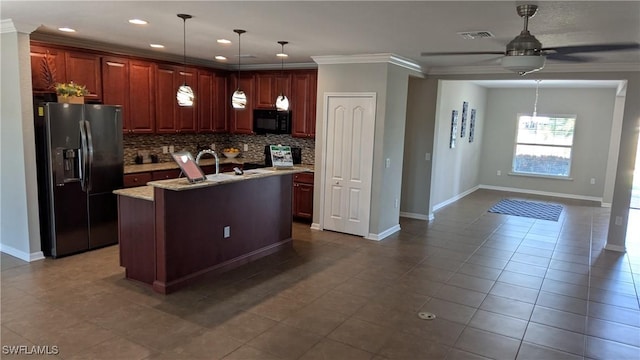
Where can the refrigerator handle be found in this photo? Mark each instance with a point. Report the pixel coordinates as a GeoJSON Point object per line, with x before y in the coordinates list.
{"type": "Point", "coordinates": [83, 156]}
{"type": "Point", "coordinates": [88, 178]}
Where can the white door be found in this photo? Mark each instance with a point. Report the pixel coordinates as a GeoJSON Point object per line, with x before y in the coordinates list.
{"type": "Point", "coordinates": [349, 163]}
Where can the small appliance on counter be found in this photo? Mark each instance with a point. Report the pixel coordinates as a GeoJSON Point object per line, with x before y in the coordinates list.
{"type": "Point", "coordinates": [144, 157]}
{"type": "Point", "coordinates": [296, 153]}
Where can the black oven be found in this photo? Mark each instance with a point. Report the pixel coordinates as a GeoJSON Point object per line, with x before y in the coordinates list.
{"type": "Point", "coordinates": [271, 122]}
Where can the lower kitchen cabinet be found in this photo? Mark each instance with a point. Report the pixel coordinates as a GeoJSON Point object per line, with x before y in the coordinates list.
{"type": "Point", "coordinates": [303, 195]}
{"type": "Point", "coordinates": [211, 169]}
{"type": "Point", "coordinates": [136, 179]}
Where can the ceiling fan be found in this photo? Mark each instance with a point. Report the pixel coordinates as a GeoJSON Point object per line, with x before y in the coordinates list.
{"type": "Point", "coordinates": [525, 54]}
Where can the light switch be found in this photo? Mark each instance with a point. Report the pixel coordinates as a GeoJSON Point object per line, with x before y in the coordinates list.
{"type": "Point", "coordinates": [388, 163]}
{"type": "Point", "coordinates": [227, 231]}
{"type": "Point", "coordinates": [246, 147]}
{"type": "Point", "coordinates": [427, 156]}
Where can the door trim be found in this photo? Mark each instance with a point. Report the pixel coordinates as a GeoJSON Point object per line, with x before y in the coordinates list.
{"type": "Point", "coordinates": [325, 126]}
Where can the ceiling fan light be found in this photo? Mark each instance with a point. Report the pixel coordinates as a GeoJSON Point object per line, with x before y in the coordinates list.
{"type": "Point", "coordinates": [282, 103]}
{"type": "Point", "coordinates": [185, 95]}
{"type": "Point", "coordinates": [523, 64]}
{"type": "Point", "coordinates": [239, 99]}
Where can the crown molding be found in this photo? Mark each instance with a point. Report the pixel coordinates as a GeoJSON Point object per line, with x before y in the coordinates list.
{"type": "Point", "coordinates": [368, 59]}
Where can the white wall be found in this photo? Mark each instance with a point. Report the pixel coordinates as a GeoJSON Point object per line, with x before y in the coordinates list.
{"type": "Point", "coordinates": [594, 117]}
{"type": "Point", "coordinates": [456, 171]}
{"type": "Point", "coordinates": [19, 224]}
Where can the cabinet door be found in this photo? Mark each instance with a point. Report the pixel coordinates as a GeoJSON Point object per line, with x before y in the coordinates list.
{"type": "Point", "coordinates": [303, 104]}
{"type": "Point", "coordinates": [47, 68]}
{"type": "Point", "coordinates": [136, 179]}
{"type": "Point", "coordinates": [206, 100]}
{"type": "Point", "coordinates": [165, 100]}
{"type": "Point", "coordinates": [115, 82]}
{"type": "Point", "coordinates": [241, 120]}
{"type": "Point", "coordinates": [165, 174]}
{"type": "Point", "coordinates": [84, 69]}
{"type": "Point", "coordinates": [269, 86]}
{"type": "Point", "coordinates": [141, 96]}
{"type": "Point", "coordinates": [303, 200]}
{"type": "Point", "coordinates": [186, 115]}
{"type": "Point", "coordinates": [221, 100]}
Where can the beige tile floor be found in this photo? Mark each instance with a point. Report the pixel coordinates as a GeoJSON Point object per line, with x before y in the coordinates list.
{"type": "Point", "coordinates": [501, 287]}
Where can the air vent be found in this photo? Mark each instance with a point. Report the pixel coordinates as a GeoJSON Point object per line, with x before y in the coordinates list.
{"type": "Point", "coordinates": [472, 35]}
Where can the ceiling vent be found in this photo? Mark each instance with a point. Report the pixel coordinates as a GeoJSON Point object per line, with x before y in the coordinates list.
{"type": "Point", "coordinates": [472, 35]}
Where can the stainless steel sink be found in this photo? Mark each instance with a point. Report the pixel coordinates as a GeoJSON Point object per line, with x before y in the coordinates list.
{"type": "Point", "coordinates": [221, 177]}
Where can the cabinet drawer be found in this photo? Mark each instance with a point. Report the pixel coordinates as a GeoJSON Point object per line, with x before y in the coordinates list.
{"type": "Point", "coordinates": [137, 179]}
{"type": "Point", "coordinates": [305, 177]}
{"type": "Point", "coordinates": [165, 174]}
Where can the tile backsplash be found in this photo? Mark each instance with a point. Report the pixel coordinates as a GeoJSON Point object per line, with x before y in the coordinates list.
{"type": "Point", "coordinates": [133, 143]}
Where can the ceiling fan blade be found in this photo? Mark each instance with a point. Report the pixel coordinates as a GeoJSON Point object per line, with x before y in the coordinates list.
{"type": "Point", "coordinates": [593, 48]}
{"type": "Point", "coordinates": [462, 53]}
{"type": "Point", "coordinates": [568, 58]}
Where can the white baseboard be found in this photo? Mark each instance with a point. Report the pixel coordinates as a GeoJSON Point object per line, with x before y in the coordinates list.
{"type": "Point", "coordinates": [617, 248]}
{"type": "Point", "coordinates": [454, 199]}
{"type": "Point", "coordinates": [384, 234]}
{"type": "Point", "coordinates": [29, 257]}
{"type": "Point", "coordinates": [414, 216]}
{"type": "Point", "coordinates": [315, 226]}
{"type": "Point", "coordinates": [543, 193]}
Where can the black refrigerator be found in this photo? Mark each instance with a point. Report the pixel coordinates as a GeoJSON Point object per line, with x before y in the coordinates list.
{"type": "Point", "coordinates": [79, 159]}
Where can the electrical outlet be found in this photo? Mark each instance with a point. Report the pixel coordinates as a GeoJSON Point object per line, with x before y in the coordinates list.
{"type": "Point", "coordinates": [227, 231]}
{"type": "Point", "coordinates": [212, 146]}
{"type": "Point", "coordinates": [395, 203]}
{"type": "Point", "coordinates": [246, 147]}
{"type": "Point", "coordinates": [388, 163]}
{"type": "Point", "coordinates": [499, 173]}
{"type": "Point", "coordinates": [171, 149]}
{"type": "Point", "coordinates": [427, 156]}
{"type": "Point", "coordinates": [165, 149]}
{"type": "Point", "coordinates": [593, 181]}
{"type": "Point", "coordinates": [619, 220]}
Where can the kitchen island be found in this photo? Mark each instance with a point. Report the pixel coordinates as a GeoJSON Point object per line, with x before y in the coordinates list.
{"type": "Point", "coordinates": [172, 232]}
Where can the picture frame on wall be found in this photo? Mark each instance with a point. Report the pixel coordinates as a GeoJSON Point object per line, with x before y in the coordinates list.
{"type": "Point", "coordinates": [454, 129]}
{"type": "Point", "coordinates": [463, 121]}
{"type": "Point", "coordinates": [472, 125]}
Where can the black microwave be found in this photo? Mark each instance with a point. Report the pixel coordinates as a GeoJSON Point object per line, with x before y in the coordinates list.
{"type": "Point", "coordinates": [271, 122]}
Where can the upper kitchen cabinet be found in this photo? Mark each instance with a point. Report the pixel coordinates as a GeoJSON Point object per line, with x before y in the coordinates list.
{"type": "Point", "coordinates": [212, 102]}
{"type": "Point", "coordinates": [269, 85]}
{"type": "Point", "coordinates": [241, 120]}
{"type": "Point", "coordinates": [84, 68]}
{"type": "Point", "coordinates": [130, 83]}
{"type": "Point", "coordinates": [303, 103]}
{"type": "Point", "coordinates": [47, 68]}
{"type": "Point", "coordinates": [170, 117]}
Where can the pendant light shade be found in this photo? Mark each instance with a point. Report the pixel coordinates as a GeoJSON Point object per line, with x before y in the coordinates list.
{"type": "Point", "coordinates": [239, 98]}
{"type": "Point", "coordinates": [282, 103]}
{"type": "Point", "coordinates": [185, 94]}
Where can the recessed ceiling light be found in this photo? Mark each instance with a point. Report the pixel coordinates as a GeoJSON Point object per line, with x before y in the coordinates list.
{"type": "Point", "coordinates": [138, 22]}
{"type": "Point", "coordinates": [282, 55]}
{"type": "Point", "coordinates": [157, 46]}
{"type": "Point", "coordinates": [66, 29]}
{"type": "Point", "coordinates": [223, 41]}
{"type": "Point", "coordinates": [220, 57]}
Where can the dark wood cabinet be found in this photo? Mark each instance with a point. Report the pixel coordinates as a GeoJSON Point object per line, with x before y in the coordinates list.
{"type": "Point", "coordinates": [303, 103]}
{"type": "Point", "coordinates": [170, 117]}
{"type": "Point", "coordinates": [84, 68]}
{"type": "Point", "coordinates": [269, 85]}
{"type": "Point", "coordinates": [211, 169]}
{"type": "Point", "coordinates": [136, 179]}
{"type": "Point", "coordinates": [47, 68]}
{"type": "Point", "coordinates": [303, 195]}
{"type": "Point", "coordinates": [165, 174]}
{"type": "Point", "coordinates": [130, 83]}
{"type": "Point", "coordinates": [212, 102]}
{"type": "Point", "coordinates": [241, 120]}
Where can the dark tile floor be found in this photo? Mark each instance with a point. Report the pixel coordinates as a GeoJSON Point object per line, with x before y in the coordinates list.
{"type": "Point", "coordinates": [501, 287]}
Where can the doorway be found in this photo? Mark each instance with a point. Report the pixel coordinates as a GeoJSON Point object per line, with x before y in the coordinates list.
{"type": "Point", "coordinates": [346, 194]}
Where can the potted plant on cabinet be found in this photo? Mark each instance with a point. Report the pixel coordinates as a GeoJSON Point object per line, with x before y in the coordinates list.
{"type": "Point", "coordinates": [71, 93]}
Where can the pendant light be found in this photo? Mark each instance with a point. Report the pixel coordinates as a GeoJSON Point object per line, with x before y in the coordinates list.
{"type": "Point", "coordinates": [239, 99]}
{"type": "Point", "coordinates": [185, 94]}
{"type": "Point", "coordinates": [282, 103]}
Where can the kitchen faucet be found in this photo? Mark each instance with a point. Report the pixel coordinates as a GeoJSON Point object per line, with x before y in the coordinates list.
{"type": "Point", "coordinates": [207, 151]}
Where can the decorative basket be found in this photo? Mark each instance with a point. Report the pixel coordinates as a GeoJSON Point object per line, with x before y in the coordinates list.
{"type": "Point", "coordinates": [71, 99]}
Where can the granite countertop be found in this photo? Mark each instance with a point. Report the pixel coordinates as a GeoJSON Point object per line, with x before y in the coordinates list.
{"type": "Point", "coordinates": [183, 184]}
{"type": "Point", "coordinates": [138, 168]}
{"type": "Point", "coordinates": [140, 192]}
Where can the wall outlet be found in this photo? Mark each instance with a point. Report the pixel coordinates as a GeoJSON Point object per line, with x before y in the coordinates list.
{"type": "Point", "coordinates": [165, 149]}
{"type": "Point", "coordinates": [395, 203]}
{"type": "Point", "coordinates": [227, 231]}
{"type": "Point", "coordinates": [499, 173]}
{"type": "Point", "coordinates": [388, 163]}
{"type": "Point", "coordinates": [212, 146]}
{"type": "Point", "coordinates": [171, 149]}
{"type": "Point", "coordinates": [427, 156]}
{"type": "Point", "coordinates": [593, 181]}
{"type": "Point", "coordinates": [246, 147]}
{"type": "Point", "coordinates": [619, 220]}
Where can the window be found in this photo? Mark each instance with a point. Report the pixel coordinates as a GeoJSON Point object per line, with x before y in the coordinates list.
{"type": "Point", "coordinates": [543, 145]}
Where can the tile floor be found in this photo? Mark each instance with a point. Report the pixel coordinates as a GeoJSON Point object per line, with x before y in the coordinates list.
{"type": "Point", "coordinates": [501, 287]}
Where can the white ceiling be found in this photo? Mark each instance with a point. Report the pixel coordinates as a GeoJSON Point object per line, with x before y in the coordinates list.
{"type": "Point", "coordinates": [321, 28]}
